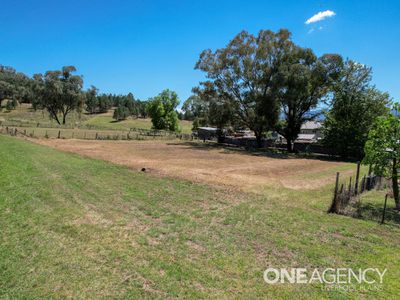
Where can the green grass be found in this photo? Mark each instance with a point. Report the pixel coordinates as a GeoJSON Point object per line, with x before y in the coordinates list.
{"type": "Point", "coordinates": [27, 116]}
{"type": "Point", "coordinates": [107, 122]}
{"type": "Point", "coordinates": [74, 227]}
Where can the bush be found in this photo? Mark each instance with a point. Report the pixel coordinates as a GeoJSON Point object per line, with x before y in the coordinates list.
{"type": "Point", "coordinates": [121, 113]}
{"type": "Point", "coordinates": [11, 104]}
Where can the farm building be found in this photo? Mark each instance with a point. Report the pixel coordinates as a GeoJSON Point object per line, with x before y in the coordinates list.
{"type": "Point", "coordinates": [311, 131]}
{"type": "Point", "coordinates": [207, 133]}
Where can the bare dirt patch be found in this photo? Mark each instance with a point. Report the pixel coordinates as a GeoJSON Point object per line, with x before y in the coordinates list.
{"type": "Point", "coordinates": [209, 165]}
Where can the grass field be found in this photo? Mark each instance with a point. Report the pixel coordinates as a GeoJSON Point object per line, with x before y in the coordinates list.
{"type": "Point", "coordinates": [74, 227]}
{"type": "Point", "coordinates": [106, 121]}
{"type": "Point", "coordinates": [27, 116]}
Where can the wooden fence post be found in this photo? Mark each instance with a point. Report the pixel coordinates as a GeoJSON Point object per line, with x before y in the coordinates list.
{"type": "Point", "coordinates": [362, 185]}
{"type": "Point", "coordinates": [384, 210]}
{"type": "Point", "coordinates": [333, 208]}
{"type": "Point", "coordinates": [350, 187]}
{"type": "Point", "coordinates": [357, 178]}
{"type": "Point", "coordinates": [59, 134]}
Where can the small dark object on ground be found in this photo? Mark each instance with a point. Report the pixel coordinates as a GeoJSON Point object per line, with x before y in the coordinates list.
{"type": "Point", "coordinates": [143, 170]}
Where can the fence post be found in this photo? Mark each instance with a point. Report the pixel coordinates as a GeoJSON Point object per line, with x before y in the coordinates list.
{"type": "Point", "coordinates": [357, 178]}
{"type": "Point", "coordinates": [59, 134]}
{"type": "Point", "coordinates": [384, 210]}
{"type": "Point", "coordinates": [96, 136]}
{"type": "Point", "coordinates": [333, 208]}
{"type": "Point", "coordinates": [350, 193]}
{"type": "Point", "coordinates": [362, 185]}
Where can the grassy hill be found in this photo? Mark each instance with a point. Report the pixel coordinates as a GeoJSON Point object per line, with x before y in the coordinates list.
{"type": "Point", "coordinates": [107, 122]}
{"type": "Point", "coordinates": [26, 115]}
{"type": "Point", "coordinates": [74, 227]}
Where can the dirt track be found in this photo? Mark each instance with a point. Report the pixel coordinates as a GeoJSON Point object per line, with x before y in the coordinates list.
{"type": "Point", "coordinates": [199, 163]}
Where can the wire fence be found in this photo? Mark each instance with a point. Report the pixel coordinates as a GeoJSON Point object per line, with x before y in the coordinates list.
{"type": "Point", "coordinates": [90, 134]}
{"type": "Point", "coordinates": [346, 195]}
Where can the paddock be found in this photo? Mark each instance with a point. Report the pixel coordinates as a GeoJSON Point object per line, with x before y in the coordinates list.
{"type": "Point", "coordinates": [210, 164]}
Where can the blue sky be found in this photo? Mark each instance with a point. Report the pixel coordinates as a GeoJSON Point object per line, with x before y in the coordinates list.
{"type": "Point", "coordinates": [146, 46]}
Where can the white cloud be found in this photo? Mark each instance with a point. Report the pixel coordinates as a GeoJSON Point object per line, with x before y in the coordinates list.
{"type": "Point", "coordinates": [320, 16]}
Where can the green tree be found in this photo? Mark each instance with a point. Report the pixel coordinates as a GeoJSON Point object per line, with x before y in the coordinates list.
{"type": "Point", "coordinates": [11, 104]}
{"type": "Point", "coordinates": [194, 107]}
{"type": "Point", "coordinates": [354, 108]}
{"type": "Point", "coordinates": [91, 100]}
{"type": "Point", "coordinates": [59, 92]}
{"type": "Point", "coordinates": [121, 113]}
{"type": "Point", "coordinates": [219, 110]}
{"type": "Point", "coordinates": [162, 108]}
{"type": "Point", "coordinates": [302, 81]}
{"type": "Point", "coordinates": [6, 91]}
{"type": "Point", "coordinates": [142, 108]}
{"type": "Point", "coordinates": [104, 103]}
{"type": "Point", "coordinates": [9, 81]}
{"type": "Point", "coordinates": [382, 149]}
{"type": "Point", "coordinates": [243, 73]}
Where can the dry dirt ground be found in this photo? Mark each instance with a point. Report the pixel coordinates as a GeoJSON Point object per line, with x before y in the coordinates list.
{"type": "Point", "coordinates": [208, 164]}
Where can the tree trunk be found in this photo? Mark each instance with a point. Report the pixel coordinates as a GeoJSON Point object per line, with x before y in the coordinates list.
{"type": "Point", "coordinates": [395, 184]}
{"type": "Point", "coordinates": [258, 139]}
{"type": "Point", "coordinates": [289, 146]}
{"type": "Point", "coordinates": [56, 118]}
{"type": "Point", "coordinates": [64, 118]}
{"type": "Point", "coordinates": [220, 136]}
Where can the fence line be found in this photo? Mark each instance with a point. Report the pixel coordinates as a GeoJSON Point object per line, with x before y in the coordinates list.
{"type": "Point", "coordinates": [88, 134]}
{"type": "Point", "coordinates": [346, 194]}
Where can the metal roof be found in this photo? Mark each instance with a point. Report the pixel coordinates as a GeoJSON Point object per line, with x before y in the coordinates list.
{"type": "Point", "coordinates": [311, 125]}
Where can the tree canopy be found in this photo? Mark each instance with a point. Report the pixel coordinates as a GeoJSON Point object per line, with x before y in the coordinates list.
{"type": "Point", "coordinates": [302, 81]}
{"type": "Point", "coordinates": [14, 86]}
{"type": "Point", "coordinates": [355, 106]}
{"type": "Point", "coordinates": [242, 74]}
{"type": "Point", "coordinates": [59, 92]}
{"type": "Point", "coordinates": [161, 109]}
{"type": "Point", "coordinates": [382, 149]}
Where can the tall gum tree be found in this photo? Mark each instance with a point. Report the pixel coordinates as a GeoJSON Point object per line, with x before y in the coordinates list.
{"type": "Point", "coordinates": [59, 92]}
{"type": "Point", "coordinates": [242, 74]}
{"type": "Point", "coordinates": [302, 81]}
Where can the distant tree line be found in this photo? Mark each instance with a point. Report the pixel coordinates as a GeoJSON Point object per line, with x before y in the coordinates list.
{"type": "Point", "coordinates": [14, 87]}
{"type": "Point", "coordinates": [268, 83]}
{"type": "Point", "coordinates": [125, 105]}
{"type": "Point", "coordinates": [60, 92]}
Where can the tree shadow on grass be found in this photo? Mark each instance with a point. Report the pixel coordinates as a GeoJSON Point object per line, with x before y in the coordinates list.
{"type": "Point", "coordinates": [264, 152]}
